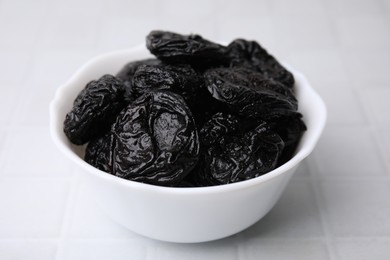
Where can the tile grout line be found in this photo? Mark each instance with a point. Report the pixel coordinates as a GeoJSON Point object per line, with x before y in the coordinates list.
{"type": "Point", "coordinates": [319, 201]}
{"type": "Point", "coordinates": [67, 218]}
{"type": "Point", "coordinates": [373, 130]}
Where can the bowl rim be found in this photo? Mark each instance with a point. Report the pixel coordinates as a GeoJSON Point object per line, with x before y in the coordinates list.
{"type": "Point", "coordinates": [306, 148]}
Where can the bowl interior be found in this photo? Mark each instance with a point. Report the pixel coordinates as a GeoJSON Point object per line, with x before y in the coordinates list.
{"type": "Point", "coordinates": [310, 105]}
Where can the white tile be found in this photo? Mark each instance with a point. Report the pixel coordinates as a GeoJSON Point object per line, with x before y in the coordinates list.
{"type": "Point", "coordinates": [221, 249]}
{"type": "Point", "coordinates": [303, 32]}
{"type": "Point", "coordinates": [13, 67]}
{"type": "Point", "coordinates": [303, 171]}
{"type": "Point", "coordinates": [348, 151]}
{"type": "Point", "coordinates": [204, 25]}
{"type": "Point", "coordinates": [298, 6]}
{"type": "Point", "coordinates": [18, 32]}
{"type": "Point", "coordinates": [27, 249]}
{"type": "Point", "coordinates": [295, 215]}
{"type": "Point", "coordinates": [357, 208]}
{"type": "Point", "coordinates": [354, 7]}
{"type": "Point", "coordinates": [320, 65]}
{"type": "Point", "coordinates": [112, 34]}
{"type": "Point", "coordinates": [104, 249]}
{"type": "Point", "coordinates": [62, 33]}
{"type": "Point", "coordinates": [387, 4]}
{"type": "Point", "coordinates": [31, 208]}
{"type": "Point", "coordinates": [258, 28]}
{"type": "Point", "coordinates": [367, 66]}
{"type": "Point", "coordinates": [31, 153]}
{"type": "Point", "coordinates": [364, 30]}
{"type": "Point", "coordinates": [343, 104]}
{"type": "Point", "coordinates": [9, 102]}
{"type": "Point", "coordinates": [88, 220]}
{"type": "Point", "coordinates": [384, 141]}
{"type": "Point", "coordinates": [375, 100]}
{"type": "Point", "coordinates": [87, 8]}
{"type": "Point", "coordinates": [24, 9]}
{"type": "Point", "coordinates": [49, 70]}
{"type": "Point", "coordinates": [245, 8]}
{"type": "Point", "coordinates": [125, 8]}
{"type": "Point", "coordinates": [200, 8]}
{"type": "Point", "coordinates": [284, 249]}
{"type": "Point", "coordinates": [363, 249]}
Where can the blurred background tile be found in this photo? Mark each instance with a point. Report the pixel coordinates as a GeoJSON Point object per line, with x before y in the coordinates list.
{"type": "Point", "coordinates": [27, 249]}
{"type": "Point", "coordinates": [357, 208]}
{"type": "Point", "coordinates": [365, 248]}
{"type": "Point", "coordinates": [295, 215]}
{"type": "Point", "coordinates": [32, 208]}
{"type": "Point", "coordinates": [357, 154]}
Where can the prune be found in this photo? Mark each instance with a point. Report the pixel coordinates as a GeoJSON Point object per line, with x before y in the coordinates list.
{"type": "Point", "coordinates": [218, 126]}
{"type": "Point", "coordinates": [238, 157]}
{"type": "Point", "coordinates": [260, 98]}
{"type": "Point", "coordinates": [290, 128]}
{"type": "Point", "coordinates": [127, 72]}
{"type": "Point", "coordinates": [99, 152]}
{"type": "Point", "coordinates": [250, 54]}
{"type": "Point", "coordinates": [199, 114]}
{"type": "Point", "coordinates": [94, 109]}
{"type": "Point", "coordinates": [181, 79]}
{"type": "Point", "coordinates": [192, 49]}
{"type": "Point", "coordinates": [155, 140]}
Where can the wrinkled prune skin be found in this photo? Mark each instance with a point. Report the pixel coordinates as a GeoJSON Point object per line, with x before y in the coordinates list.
{"type": "Point", "coordinates": [181, 79]}
{"type": "Point", "coordinates": [94, 109]}
{"type": "Point", "coordinates": [238, 157]}
{"type": "Point", "coordinates": [99, 152]}
{"type": "Point", "coordinates": [155, 140]}
{"type": "Point", "coordinates": [250, 54]}
{"type": "Point", "coordinates": [290, 128]}
{"type": "Point", "coordinates": [261, 98]}
{"type": "Point", "coordinates": [218, 126]}
{"type": "Point", "coordinates": [127, 72]}
{"type": "Point", "coordinates": [192, 49]}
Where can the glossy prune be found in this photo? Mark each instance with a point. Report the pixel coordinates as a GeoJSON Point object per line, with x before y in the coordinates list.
{"type": "Point", "coordinates": [94, 109]}
{"type": "Point", "coordinates": [238, 157]}
{"type": "Point", "coordinates": [200, 114]}
{"type": "Point", "coordinates": [126, 74]}
{"type": "Point", "coordinates": [249, 96]}
{"type": "Point", "coordinates": [181, 79]}
{"type": "Point", "coordinates": [217, 127]}
{"type": "Point", "coordinates": [192, 49]}
{"type": "Point", "coordinates": [155, 140]}
{"type": "Point", "coordinates": [290, 128]}
{"type": "Point", "coordinates": [99, 152]}
{"type": "Point", "coordinates": [250, 54]}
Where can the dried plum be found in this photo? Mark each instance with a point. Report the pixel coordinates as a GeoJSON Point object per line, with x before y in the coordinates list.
{"type": "Point", "coordinates": [94, 109]}
{"type": "Point", "coordinates": [155, 139]}
{"type": "Point", "coordinates": [290, 128]}
{"type": "Point", "coordinates": [199, 114]}
{"type": "Point", "coordinates": [250, 54]}
{"type": "Point", "coordinates": [181, 79]}
{"type": "Point", "coordinates": [217, 127]}
{"type": "Point", "coordinates": [127, 72]}
{"type": "Point", "coordinates": [192, 49]}
{"type": "Point", "coordinates": [238, 157]}
{"type": "Point", "coordinates": [260, 98]}
{"type": "Point", "coordinates": [99, 152]}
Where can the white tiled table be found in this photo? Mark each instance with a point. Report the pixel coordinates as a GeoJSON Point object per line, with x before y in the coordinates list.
{"type": "Point", "coordinates": [337, 206]}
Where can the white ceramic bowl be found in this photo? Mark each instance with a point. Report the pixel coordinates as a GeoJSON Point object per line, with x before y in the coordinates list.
{"type": "Point", "coordinates": [181, 214]}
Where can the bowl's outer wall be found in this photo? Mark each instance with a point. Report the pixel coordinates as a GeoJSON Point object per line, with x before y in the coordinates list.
{"type": "Point", "coordinates": [184, 217]}
{"type": "Point", "coordinates": [181, 214]}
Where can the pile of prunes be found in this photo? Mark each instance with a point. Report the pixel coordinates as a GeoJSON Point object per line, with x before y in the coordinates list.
{"type": "Point", "coordinates": [199, 114]}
